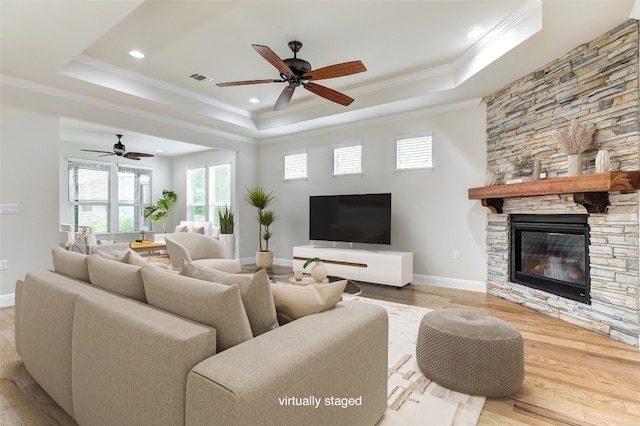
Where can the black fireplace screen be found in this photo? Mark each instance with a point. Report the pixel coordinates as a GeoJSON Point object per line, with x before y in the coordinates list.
{"type": "Point", "coordinates": [550, 253]}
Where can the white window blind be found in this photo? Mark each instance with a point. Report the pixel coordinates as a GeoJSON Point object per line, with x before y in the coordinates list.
{"type": "Point", "coordinates": [219, 190]}
{"type": "Point", "coordinates": [295, 165]}
{"type": "Point", "coordinates": [414, 153]}
{"type": "Point", "coordinates": [88, 194]}
{"type": "Point", "coordinates": [347, 160]}
{"type": "Point", "coordinates": [196, 194]}
{"type": "Point", "coordinates": [134, 194]}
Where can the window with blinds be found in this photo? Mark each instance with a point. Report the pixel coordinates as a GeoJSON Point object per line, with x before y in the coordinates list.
{"type": "Point", "coordinates": [107, 198]}
{"type": "Point", "coordinates": [347, 160]}
{"type": "Point", "coordinates": [134, 194]}
{"type": "Point", "coordinates": [219, 191]}
{"type": "Point", "coordinates": [414, 153]}
{"type": "Point", "coordinates": [208, 192]}
{"type": "Point", "coordinates": [295, 165]}
{"type": "Point", "coordinates": [88, 194]}
{"type": "Point", "coordinates": [196, 194]}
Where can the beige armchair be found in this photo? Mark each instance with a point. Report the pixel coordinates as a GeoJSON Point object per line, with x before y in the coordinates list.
{"type": "Point", "coordinates": [199, 250]}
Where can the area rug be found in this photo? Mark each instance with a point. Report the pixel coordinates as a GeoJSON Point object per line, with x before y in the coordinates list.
{"type": "Point", "coordinates": [412, 398]}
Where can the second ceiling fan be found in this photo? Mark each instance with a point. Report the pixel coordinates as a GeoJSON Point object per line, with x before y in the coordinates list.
{"type": "Point", "coordinates": [297, 72]}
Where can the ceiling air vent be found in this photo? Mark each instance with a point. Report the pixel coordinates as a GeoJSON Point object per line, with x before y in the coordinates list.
{"type": "Point", "coordinates": [200, 78]}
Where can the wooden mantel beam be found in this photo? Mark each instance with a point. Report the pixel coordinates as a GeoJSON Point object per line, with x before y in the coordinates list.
{"type": "Point", "coordinates": [592, 190]}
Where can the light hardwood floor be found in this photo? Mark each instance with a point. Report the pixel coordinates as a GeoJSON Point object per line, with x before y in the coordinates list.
{"type": "Point", "coordinates": [572, 376]}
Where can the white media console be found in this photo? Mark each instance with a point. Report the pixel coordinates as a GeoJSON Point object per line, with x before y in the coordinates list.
{"type": "Point", "coordinates": [393, 268]}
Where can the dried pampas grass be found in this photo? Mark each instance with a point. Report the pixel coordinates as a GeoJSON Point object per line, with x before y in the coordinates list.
{"type": "Point", "coordinates": [576, 139]}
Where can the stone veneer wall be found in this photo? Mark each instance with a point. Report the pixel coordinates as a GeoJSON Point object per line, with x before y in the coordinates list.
{"type": "Point", "coordinates": [596, 83]}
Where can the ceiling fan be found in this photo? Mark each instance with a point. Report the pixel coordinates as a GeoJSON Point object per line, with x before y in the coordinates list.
{"type": "Point", "coordinates": [297, 72]}
{"type": "Point", "coordinates": [120, 150]}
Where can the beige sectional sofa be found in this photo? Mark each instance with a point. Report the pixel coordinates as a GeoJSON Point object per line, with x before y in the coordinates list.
{"type": "Point", "coordinates": [108, 356]}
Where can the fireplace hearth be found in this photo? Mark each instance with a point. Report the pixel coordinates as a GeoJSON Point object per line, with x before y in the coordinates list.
{"type": "Point", "coordinates": [551, 253]}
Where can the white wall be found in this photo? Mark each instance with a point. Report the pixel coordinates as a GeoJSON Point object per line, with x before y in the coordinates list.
{"type": "Point", "coordinates": [431, 215]}
{"type": "Point", "coordinates": [29, 178]}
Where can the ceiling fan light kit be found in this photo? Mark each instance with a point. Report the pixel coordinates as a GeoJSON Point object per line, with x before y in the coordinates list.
{"type": "Point", "coordinates": [297, 72]}
{"type": "Point", "coordinates": [121, 151]}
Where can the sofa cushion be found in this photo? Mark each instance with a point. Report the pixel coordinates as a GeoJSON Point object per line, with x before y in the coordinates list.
{"type": "Point", "coordinates": [255, 290]}
{"type": "Point", "coordinates": [213, 304]}
{"type": "Point", "coordinates": [118, 277]}
{"type": "Point", "coordinates": [295, 301]}
{"type": "Point", "coordinates": [70, 264]}
{"type": "Point", "coordinates": [181, 228]}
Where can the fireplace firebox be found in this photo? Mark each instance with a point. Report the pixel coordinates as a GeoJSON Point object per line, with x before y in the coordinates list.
{"type": "Point", "coordinates": [551, 253]}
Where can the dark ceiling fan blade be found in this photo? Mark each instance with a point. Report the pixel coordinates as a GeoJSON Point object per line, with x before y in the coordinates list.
{"type": "Point", "coordinates": [337, 70]}
{"type": "Point", "coordinates": [329, 94]}
{"type": "Point", "coordinates": [131, 157]}
{"type": "Point", "coordinates": [101, 152]}
{"type": "Point", "coordinates": [242, 83]}
{"type": "Point", "coordinates": [137, 154]}
{"type": "Point", "coordinates": [272, 58]}
{"type": "Point", "coordinates": [284, 98]}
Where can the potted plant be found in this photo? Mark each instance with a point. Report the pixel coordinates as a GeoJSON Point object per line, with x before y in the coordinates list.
{"type": "Point", "coordinates": [574, 141]}
{"type": "Point", "coordinates": [259, 198]}
{"type": "Point", "coordinates": [226, 232]}
{"type": "Point", "coordinates": [319, 271]}
{"type": "Point", "coordinates": [160, 212]}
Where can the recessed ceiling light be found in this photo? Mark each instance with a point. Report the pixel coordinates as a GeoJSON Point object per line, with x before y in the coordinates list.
{"type": "Point", "coordinates": [159, 150]}
{"type": "Point", "coordinates": [254, 100]}
{"type": "Point", "coordinates": [136, 54]}
{"type": "Point", "coordinates": [475, 32]}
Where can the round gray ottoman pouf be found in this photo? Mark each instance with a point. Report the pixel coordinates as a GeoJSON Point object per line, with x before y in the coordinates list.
{"type": "Point", "coordinates": [470, 352]}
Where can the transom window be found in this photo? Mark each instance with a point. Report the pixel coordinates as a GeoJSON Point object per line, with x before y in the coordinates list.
{"type": "Point", "coordinates": [347, 160]}
{"type": "Point", "coordinates": [414, 153]}
{"type": "Point", "coordinates": [295, 165]}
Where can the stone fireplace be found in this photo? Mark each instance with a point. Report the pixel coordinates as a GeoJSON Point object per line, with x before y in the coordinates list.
{"type": "Point", "coordinates": [596, 83]}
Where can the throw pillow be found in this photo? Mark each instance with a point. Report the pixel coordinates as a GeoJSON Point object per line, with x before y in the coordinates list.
{"type": "Point", "coordinates": [70, 264]}
{"type": "Point", "coordinates": [118, 277]}
{"type": "Point", "coordinates": [216, 305]}
{"type": "Point", "coordinates": [295, 301]}
{"type": "Point", "coordinates": [134, 258]}
{"type": "Point", "coordinates": [199, 230]}
{"type": "Point", "coordinates": [120, 257]}
{"type": "Point", "coordinates": [255, 291]}
{"type": "Point", "coordinates": [182, 228]}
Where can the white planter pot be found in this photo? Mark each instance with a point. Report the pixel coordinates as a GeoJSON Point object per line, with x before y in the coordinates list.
{"type": "Point", "coordinates": [228, 242]}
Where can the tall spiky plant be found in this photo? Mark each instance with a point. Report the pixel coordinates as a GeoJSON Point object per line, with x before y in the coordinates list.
{"type": "Point", "coordinates": [226, 221]}
{"type": "Point", "coordinates": [261, 199]}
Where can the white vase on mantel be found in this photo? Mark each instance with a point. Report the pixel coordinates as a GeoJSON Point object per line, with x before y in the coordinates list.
{"type": "Point", "coordinates": [602, 161]}
{"type": "Point", "coordinates": [575, 164]}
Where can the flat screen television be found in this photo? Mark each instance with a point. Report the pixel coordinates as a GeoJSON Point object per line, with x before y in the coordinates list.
{"type": "Point", "coordinates": [357, 218]}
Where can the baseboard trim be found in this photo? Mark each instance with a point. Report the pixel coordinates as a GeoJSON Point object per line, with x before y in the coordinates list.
{"type": "Point", "coordinates": [7, 300]}
{"type": "Point", "coordinates": [447, 282]}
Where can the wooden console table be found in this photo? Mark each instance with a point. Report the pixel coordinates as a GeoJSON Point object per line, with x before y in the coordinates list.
{"type": "Point", "coordinates": [591, 191]}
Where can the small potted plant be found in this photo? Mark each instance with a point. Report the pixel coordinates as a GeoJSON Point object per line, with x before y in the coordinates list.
{"type": "Point", "coordinates": [227, 238]}
{"type": "Point", "coordinates": [160, 212]}
{"type": "Point", "coordinates": [574, 141]}
{"type": "Point", "coordinates": [319, 271]}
